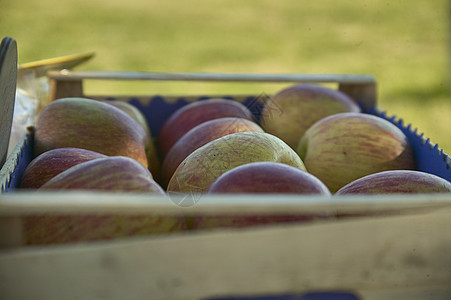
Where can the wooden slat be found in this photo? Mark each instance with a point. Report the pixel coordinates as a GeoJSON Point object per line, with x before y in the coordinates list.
{"type": "Point", "coordinates": [401, 257]}
{"type": "Point", "coordinates": [187, 76]}
{"type": "Point", "coordinates": [11, 232]}
{"type": "Point", "coordinates": [60, 89]}
{"type": "Point", "coordinates": [362, 88]}
{"type": "Point", "coordinates": [80, 202]}
{"type": "Point", "coordinates": [362, 93]}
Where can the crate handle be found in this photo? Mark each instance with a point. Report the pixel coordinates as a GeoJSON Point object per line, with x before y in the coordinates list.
{"type": "Point", "coordinates": [187, 76]}
{"type": "Point", "coordinates": [69, 83]}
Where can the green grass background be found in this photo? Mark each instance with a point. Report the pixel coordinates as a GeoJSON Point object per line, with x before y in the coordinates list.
{"type": "Point", "coordinates": [404, 44]}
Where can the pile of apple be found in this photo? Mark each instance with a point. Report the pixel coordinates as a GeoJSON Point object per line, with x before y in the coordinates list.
{"type": "Point", "coordinates": [91, 145]}
{"type": "Point", "coordinates": [83, 144]}
{"type": "Point", "coordinates": [311, 139]}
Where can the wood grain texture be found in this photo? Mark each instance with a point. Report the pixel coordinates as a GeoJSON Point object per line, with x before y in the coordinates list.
{"type": "Point", "coordinates": [401, 257]}
{"type": "Point", "coordinates": [361, 88]}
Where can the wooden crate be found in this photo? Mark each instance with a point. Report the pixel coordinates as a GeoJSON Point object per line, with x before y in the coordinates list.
{"type": "Point", "coordinates": [382, 247]}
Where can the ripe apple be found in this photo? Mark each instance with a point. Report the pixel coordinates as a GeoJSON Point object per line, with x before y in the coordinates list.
{"type": "Point", "coordinates": [397, 181]}
{"type": "Point", "coordinates": [203, 166]}
{"type": "Point", "coordinates": [199, 136]}
{"type": "Point", "coordinates": [132, 111]}
{"type": "Point", "coordinates": [153, 160]}
{"type": "Point", "coordinates": [49, 164]}
{"type": "Point", "coordinates": [112, 173]}
{"type": "Point", "coordinates": [92, 125]}
{"type": "Point", "coordinates": [291, 111]}
{"type": "Point", "coordinates": [262, 177]}
{"type": "Point", "coordinates": [192, 114]}
{"type": "Point", "coordinates": [342, 147]}
{"type": "Point", "coordinates": [76, 228]}
{"type": "Point", "coordinates": [212, 221]}
{"type": "Point", "coordinates": [267, 177]}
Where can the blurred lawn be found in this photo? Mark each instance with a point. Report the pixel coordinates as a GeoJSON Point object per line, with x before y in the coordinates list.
{"type": "Point", "coordinates": [404, 44]}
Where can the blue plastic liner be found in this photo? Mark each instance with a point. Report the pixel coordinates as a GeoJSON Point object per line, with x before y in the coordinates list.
{"type": "Point", "coordinates": [429, 157]}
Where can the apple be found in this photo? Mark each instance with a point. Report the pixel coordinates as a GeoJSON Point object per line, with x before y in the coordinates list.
{"type": "Point", "coordinates": [213, 221]}
{"type": "Point", "coordinates": [195, 113]}
{"type": "Point", "coordinates": [261, 177]}
{"type": "Point", "coordinates": [49, 164]}
{"type": "Point", "coordinates": [291, 111]}
{"type": "Point", "coordinates": [153, 160]}
{"type": "Point", "coordinates": [342, 147]}
{"type": "Point", "coordinates": [75, 228]}
{"type": "Point", "coordinates": [397, 181]}
{"type": "Point", "coordinates": [199, 136]}
{"type": "Point", "coordinates": [112, 173]}
{"type": "Point", "coordinates": [267, 177]}
{"type": "Point", "coordinates": [89, 124]}
{"type": "Point", "coordinates": [203, 166]}
{"type": "Point", "coordinates": [132, 111]}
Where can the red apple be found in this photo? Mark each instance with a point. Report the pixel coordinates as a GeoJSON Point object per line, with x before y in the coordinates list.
{"type": "Point", "coordinates": [195, 113]}
{"type": "Point", "coordinates": [201, 135]}
{"type": "Point", "coordinates": [212, 221]}
{"type": "Point", "coordinates": [72, 228]}
{"type": "Point", "coordinates": [113, 173]}
{"type": "Point", "coordinates": [110, 174]}
{"type": "Point", "coordinates": [267, 177]}
{"type": "Point", "coordinates": [340, 148]}
{"type": "Point", "coordinates": [397, 181]}
{"type": "Point", "coordinates": [153, 160]}
{"type": "Point", "coordinates": [51, 163]}
{"type": "Point", "coordinates": [262, 177]}
{"type": "Point", "coordinates": [132, 111]}
{"type": "Point", "coordinates": [291, 111]}
{"type": "Point", "coordinates": [92, 125]}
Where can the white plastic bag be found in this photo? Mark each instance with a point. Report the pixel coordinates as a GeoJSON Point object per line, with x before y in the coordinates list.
{"type": "Point", "coordinates": [31, 91]}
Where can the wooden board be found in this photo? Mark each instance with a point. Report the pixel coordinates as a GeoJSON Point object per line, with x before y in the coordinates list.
{"type": "Point", "coordinates": [402, 257]}
{"type": "Point", "coordinates": [8, 79]}
{"type": "Point", "coordinates": [361, 88]}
